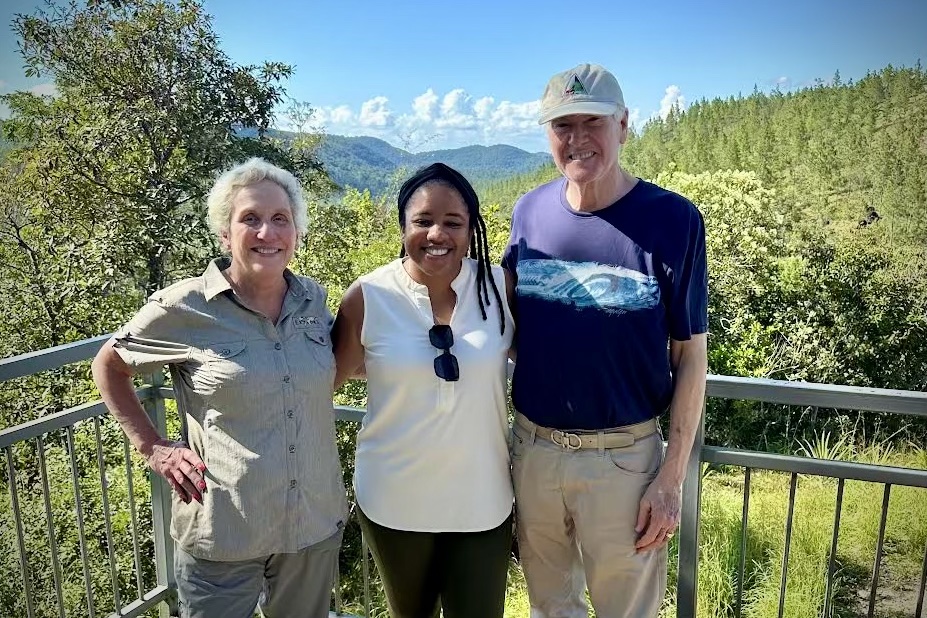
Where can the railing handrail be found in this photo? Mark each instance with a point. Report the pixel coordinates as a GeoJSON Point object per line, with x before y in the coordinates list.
{"type": "Point", "coordinates": [50, 358]}
{"type": "Point", "coordinates": [785, 392]}
{"type": "Point", "coordinates": [51, 422]}
{"type": "Point", "coordinates": [813, 466]}
{"type": "Point", "coordinates": [827, 396]}
{"type": "Point", "coordinates": [59, 420]}
{"type": "Point", "coordinates": [790, 392]}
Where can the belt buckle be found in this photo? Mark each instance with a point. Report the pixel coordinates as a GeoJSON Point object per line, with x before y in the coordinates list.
{"type": "Point", "coordinates": [564, 439]}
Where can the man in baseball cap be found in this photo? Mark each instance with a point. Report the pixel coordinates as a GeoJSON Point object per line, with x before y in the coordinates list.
{"type": "Point", "coordinates": [586, 89]}
{"type": "Point", "coordinates": [612, 302]}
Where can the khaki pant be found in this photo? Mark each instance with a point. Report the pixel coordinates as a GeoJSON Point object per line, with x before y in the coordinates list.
{"type": "Point", "coordinates": [576, 512]}
{"type": "Point", "coordinates": [281, 585]}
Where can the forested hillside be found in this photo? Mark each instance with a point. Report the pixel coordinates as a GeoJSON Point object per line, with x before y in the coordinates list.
{"type": "Point", "coordinates": [815, 204]}
{"type": "Point", "coordinates": [834, 153]}
{"type": "Point", "coordinates": [370, 163]}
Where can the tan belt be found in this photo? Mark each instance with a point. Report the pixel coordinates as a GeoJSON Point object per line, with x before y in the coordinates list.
{"type": "Point", "coordinates": [618, 437]}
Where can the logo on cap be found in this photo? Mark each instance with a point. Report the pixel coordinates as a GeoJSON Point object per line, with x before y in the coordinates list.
{"type": "Point", "coordinates": [574, 87]}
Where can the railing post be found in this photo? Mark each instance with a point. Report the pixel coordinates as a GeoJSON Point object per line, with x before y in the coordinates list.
{"type": "Point", "coordinates": [687, 572]}
{"type": "Point", "coordinates": [161, 504]}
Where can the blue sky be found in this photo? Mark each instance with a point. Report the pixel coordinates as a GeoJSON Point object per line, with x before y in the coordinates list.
{"type": "Point", "coordinates": [428, 75]}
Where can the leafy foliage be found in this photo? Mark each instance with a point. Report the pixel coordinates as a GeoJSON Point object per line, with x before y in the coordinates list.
{"type": "Point", "coordinates": [102, 189]}
{"type": "Point", "coordinates": [146, 113]}
{"type": "Point", "coordinates": [831, 150]}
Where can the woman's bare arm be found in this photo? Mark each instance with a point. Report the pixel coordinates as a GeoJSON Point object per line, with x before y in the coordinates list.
{"type": "Point", "coordinates": [510, 297]}
{"type": "Point", "coordinates": [175, 461]}
{"type": "Point", "coordinates": [349, 352]}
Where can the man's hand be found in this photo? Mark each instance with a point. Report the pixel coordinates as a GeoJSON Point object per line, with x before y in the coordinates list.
{"type": "Point", "coordinates": [180, 466]}
{"type": "Point", "coordinates": [659, 513]}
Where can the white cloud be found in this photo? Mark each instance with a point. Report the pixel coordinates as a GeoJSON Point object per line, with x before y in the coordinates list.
{"type": "Point", "coordinates": [375, 112]}
{"type": "Point", "coordinates": [423, 106]}
{"type": "Point", "coordinates": [457, 111]}
{"type": "Point", "coordinates": [634, 117]}
{"type": "Point", "coordinates": [341, 114]}
{"type": "Point", "coordinates": [672, 97]}
{"type": "Point", "coordinates": [440, 120]}
{"type": "Point", "coordinates": [47, 89]}
{"type": "Point", "coordinates": [483, 107]}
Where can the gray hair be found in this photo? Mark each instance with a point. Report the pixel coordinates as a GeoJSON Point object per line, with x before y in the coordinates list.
{"type": "Point", "coordinates": [251, 172]}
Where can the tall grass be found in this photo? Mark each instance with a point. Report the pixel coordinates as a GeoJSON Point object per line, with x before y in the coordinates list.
{"type": "Point", "coordinates": [812, 529]}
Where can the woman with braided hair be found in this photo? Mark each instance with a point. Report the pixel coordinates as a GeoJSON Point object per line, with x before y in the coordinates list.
{"type": "Point", "coordinates": [432, 331]}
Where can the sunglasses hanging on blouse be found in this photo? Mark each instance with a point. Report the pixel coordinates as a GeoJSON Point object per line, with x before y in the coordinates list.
{"type": "Point", "coordinates": [442, 337]}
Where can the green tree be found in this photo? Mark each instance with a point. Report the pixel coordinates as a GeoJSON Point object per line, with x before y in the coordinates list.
{"type": "Point", "coordinates": [102, 189]}
{"type": "Point", "coordinates": [148, 109]}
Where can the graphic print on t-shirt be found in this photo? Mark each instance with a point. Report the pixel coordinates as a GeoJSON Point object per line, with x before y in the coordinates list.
{"type": "Point", "coordinates": [613, 289]}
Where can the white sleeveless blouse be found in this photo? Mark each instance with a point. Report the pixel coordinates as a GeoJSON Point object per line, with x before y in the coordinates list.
{"type": "Point", "coordinates": [432, 455]}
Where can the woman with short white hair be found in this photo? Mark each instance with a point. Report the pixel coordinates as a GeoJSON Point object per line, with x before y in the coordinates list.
{"type": "Point", "coordinates": [259, 503]}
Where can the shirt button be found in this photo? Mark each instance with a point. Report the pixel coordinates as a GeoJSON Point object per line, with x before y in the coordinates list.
{"type": "Point", "coordinates": [292, 448]}
{"type": "Point", "coordinates": [289, 413]}
{"type": "Point", "coordinates": [277, 346]}
{"type": "Point", "coordinates": [292, 483]}
{"type": "Point", "coordinates": [286, 379]}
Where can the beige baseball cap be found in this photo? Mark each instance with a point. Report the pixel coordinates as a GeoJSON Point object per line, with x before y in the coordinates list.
{"type": "Point", "coordinates": [584, 89]}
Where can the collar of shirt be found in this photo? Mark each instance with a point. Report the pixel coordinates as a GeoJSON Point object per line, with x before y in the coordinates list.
{"type": "Point", "coordinates": [216, 283]}
{"type": "Point", "coordinates": [459, 284]}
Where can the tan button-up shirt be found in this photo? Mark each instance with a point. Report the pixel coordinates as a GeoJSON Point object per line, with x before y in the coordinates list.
{"type": "Point", "coordinates": [257, 399]}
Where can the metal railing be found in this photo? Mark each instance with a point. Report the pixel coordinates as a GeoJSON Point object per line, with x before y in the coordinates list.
{"type": "Point", "coordinates": [27, 447]}
{"type": "Point", "coordinates": [806, 395]}
{"type": "Point", "coordinates": [61, 435]}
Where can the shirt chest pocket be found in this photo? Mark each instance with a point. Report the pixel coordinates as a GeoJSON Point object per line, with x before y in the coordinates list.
{"type": "Point", "coordinates": [223, 366]}
{"type": "Point", "coordinates": [319, 347]}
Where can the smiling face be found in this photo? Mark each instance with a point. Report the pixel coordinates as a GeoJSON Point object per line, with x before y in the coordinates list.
{"type": "Point", "coordinates": [435, 233]}
{"type": "Point", "coordinates": [585, 147]}
{"type": "Point", "coordinates": [261, 235]}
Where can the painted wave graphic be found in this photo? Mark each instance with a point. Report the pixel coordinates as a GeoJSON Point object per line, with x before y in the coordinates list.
{"type": "Point", "coordinates": [588, 285]}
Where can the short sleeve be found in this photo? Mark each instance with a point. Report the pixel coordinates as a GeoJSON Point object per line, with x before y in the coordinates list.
{"type": "Point", "coordinates": [327, 315]}
{"type": "Point", "coordinates": [151, 339]}
{"type": "Point", "coordinates": [510, 255]}
{"type": "Point", "coordinates": [688, 313]}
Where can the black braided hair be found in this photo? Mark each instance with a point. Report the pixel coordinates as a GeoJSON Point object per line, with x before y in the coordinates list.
{"type": "Point", "coordinates": [441, 174]}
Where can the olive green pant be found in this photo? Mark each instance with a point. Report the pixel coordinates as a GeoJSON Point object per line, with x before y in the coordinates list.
{"type": "Point", "coordinates": [462, 573]}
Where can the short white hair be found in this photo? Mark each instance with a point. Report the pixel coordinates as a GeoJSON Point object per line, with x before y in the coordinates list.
{"type": "Point", "coordinates": [251, 172]}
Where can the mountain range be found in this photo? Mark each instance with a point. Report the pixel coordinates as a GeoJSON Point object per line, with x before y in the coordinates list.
{"type": "Point", "coordinates": [371, 163]}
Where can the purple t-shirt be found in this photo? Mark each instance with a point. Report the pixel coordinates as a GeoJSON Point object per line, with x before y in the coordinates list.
{"type": "Point", "coordinates": [599, 295]}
